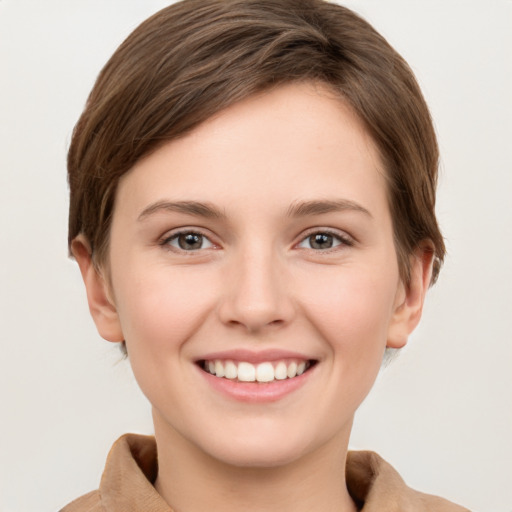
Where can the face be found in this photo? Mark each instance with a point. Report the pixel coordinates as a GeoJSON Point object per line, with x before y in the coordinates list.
{"type": "Point", "coordinates": [254, 278]}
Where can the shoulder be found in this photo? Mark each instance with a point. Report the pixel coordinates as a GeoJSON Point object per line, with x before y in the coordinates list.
{"type": "Point", "coordinates": [377, 487]}
{"type": "Point", "coordinates": [89, 502]}
{"type": "Point", "coordinates": [127, 480]}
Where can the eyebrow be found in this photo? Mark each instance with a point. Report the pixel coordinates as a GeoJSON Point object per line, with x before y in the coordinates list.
{"type": "Point", "coordinates": [305, 208]}
{"type": "Point", "coordinates": [297, 209]}
{"type": "Point", "coordinates": [195, 208]}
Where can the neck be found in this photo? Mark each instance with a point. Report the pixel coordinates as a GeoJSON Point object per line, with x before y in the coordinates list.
{"type": "Point", "coordinates": [192, 481]}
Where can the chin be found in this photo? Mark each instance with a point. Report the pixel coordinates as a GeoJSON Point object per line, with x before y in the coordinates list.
{"type": "Point", "coordinates": [257, 454]}
{"type": "Point", "coordinates": [266, 445]}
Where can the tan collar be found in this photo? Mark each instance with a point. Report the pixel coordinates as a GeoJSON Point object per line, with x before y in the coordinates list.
{"type": "Point", "coordinates": [376, 487]}
{"type": "Point", "coordinates": [131, 469]}
{"type": "Point", "coordinates": [127, 481]}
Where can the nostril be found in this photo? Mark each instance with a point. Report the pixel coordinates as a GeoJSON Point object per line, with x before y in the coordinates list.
{"type": "Point", "coordinates": [254, 324]}
{"type": "Point", "coordinates": [255, 302]}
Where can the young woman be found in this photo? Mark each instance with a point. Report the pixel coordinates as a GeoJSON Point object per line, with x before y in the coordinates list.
{"type": "Point", "coordinates": [252, 210]}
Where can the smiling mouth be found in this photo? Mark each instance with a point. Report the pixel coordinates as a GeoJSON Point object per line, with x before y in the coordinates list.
{"type": "Point", "coordinates": [264, 372]}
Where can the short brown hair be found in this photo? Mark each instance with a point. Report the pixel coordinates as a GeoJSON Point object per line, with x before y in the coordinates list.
{"type": "Point", "coordinates": [196, 57]}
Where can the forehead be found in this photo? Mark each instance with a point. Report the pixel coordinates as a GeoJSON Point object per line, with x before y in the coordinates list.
{"type": "Point", "coordinates": [308, 120]}
{"type": "Point", "coordinates": [293, 141]}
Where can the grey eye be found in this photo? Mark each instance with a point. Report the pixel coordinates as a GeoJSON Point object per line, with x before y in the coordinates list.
{"type": "Point", "coordinates": [322, 241]}
{"type": "Point", "coordinates": [189, 241]}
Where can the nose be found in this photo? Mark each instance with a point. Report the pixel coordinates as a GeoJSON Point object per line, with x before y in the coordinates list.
{"type": "Point", "coordinates": [258, 292]}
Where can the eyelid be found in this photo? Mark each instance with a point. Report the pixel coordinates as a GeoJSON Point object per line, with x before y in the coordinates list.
{"type": "Point", "coordinates": [173, 234]}
{"type": "Point", "coordinates": [344, 238]}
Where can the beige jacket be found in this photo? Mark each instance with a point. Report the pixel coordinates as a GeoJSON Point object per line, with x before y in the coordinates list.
{"type": "Point", "coordinates": [126, 484]}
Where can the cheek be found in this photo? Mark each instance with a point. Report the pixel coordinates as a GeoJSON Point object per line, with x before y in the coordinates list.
{"type": "Point", "coordinates": [158, 315]}
{"type": "Point", "coordinates": [163, 309]}
{"type": "Point", "coordinates": [352, 309]}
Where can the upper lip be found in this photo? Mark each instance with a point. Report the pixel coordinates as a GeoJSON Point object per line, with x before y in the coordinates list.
{"type": "Point", "coordinates": [254, 357]}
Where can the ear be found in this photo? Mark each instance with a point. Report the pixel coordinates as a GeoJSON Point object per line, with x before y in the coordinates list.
{"type": "Point", "coordinates": [409, 299]}
{"type": "Point", "coordinates": [101, 305]}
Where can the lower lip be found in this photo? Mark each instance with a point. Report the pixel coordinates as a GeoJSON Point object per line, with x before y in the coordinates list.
{"type": "Point", "coordinates": [257, 392]}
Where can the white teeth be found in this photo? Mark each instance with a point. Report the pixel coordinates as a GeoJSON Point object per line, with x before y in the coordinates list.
{"type": "Point", "coordinates": [246, 372]}
{"type": "Point", "coordinates": [219, 369]}
{"type": "Point", "coordinates": [292, 370]}
{"type": "Point", "coordinates": [263, 372]}
{"type": "Point", "coordinates": [280, 371]}
{"type": "Point", "coordinates": [230, 370]}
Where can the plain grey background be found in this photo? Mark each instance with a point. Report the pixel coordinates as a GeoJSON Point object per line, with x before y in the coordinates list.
{"type": "Point", "coordinates": [441, 413]}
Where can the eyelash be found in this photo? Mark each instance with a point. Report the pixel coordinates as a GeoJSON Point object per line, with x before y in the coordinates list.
{"type": "Point", "coordinates": [342, 239]}
{"type": "Point", "coordinates": [166, 241]}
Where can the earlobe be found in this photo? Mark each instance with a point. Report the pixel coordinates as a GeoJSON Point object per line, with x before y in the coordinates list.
{"type": "Point", "coordinates": [409, 307]}
{"type": "Point", "coordinates": [101, 305]}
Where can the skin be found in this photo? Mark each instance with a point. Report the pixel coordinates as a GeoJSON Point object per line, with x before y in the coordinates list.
{"type": "Point", "coordinates": [257, 283]}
